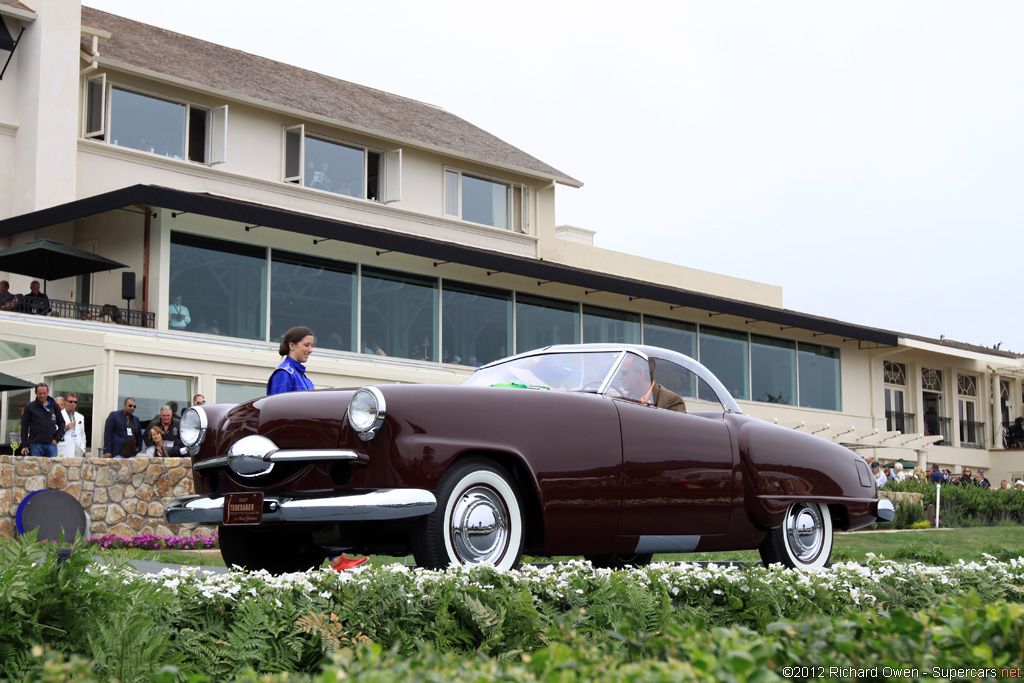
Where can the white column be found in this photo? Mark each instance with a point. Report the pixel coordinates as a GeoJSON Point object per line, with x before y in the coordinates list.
{"type": "Point", "coordinates": [46, 144]}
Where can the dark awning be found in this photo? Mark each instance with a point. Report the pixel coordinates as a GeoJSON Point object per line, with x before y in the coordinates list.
{"type": "Point", "coordinates": [327, 228]}
{"type": "Point", "coordinates": [50, 260]}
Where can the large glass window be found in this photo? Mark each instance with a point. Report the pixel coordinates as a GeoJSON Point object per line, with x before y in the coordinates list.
{"type": "Point", "coordinates": [155, 125]}
{"type": "Point", "coordinates": [772, 370]}
{"type": "Point", "coordinates": [153, 391]}
{"type": "Point", "coordinates": [335, 168]}
{"type": "Point", "coordinates": [12, 350]}
{"type": "Point", "coordinates": [477, 324]}
{"type": "Point", "coordinates": [542, 322]}
{"type": "Point", "coordinates": [724, 352]}
{"type": "Point", "coordinates": [81, 384]}
{"type": "Point", "coordinates": [476, 199]}
{"type": "Point", "coordinates": [16, 402]}
{"type": "Point", "coordinates": [819, 376]}
{"type": "Point", "coordinates": [147, 123]}
{"type": "Point", "coordinates": [317, 293]}
{"type": "Point", "coordinates": [222, 285]}
{"type": "Point", "coordinates": [399, 314]}
{"type": "Point", "coordinates": [602, 325]}
{"type": "Point", "coordinates": [349, 170]}
{"type": "Point", "coordinates": [674, 335]}
{"type": "Point", "coordinates": [238, 392]}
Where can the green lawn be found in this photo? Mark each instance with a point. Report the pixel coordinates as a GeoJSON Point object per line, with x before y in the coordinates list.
{"type": "Point", "coordinates": [935, 546]}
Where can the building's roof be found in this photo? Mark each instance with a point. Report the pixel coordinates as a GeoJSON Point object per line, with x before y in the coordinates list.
{"type": "Point", "coordinates": [16, 5]}
{"type": "Point", "coordinates": [963, 346]}
{"type": "Point", "coordinates": [249, 76]}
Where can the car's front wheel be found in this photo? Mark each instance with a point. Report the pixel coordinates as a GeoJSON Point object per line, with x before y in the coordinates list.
{"type": "Point", "coordinates": [804, 541]}
{"type": "Point", "coordinates": [478, 519]}
{"type": "Point", "coordinates": [279, 551]}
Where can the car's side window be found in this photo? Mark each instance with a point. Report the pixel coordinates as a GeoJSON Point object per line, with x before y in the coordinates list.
{"type": "Point", "coordinates": [684, 382]}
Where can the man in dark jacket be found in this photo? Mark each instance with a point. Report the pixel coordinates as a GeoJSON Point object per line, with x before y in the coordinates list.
{"type": "Point", "coordinates": [122, 433]}
{"type": "Point", "coordinates": [169, 424]}
{"type": "Point", "coordinates": [42, 425]}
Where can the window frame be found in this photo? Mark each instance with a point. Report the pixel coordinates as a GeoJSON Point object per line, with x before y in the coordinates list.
{"type": "Point", "coordinates": [517, 200]}
{"type": "Point", "coordinates": [216, 125]}
{"type": "Point", "coordinates": [389, 175]}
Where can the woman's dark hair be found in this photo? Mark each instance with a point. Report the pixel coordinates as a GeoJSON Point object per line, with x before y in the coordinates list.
{"type": "Point", "coordinates": [293, 336]}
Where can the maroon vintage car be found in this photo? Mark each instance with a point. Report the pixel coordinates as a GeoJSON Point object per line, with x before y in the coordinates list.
{"type": "Point", "coordinates": [614, 452]}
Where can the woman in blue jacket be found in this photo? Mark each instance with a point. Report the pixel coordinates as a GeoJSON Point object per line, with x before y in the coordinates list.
{"type": "Point", "coordinates": [290, 375]}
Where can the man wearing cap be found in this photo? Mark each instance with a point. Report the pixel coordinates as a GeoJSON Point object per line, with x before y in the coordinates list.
{"type": "Point", "coordinates": [878, 474]}
{"type": "Point", "coordinates": [980, 480]}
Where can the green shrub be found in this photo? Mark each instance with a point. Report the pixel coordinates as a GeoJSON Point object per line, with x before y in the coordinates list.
{"type": "Point", "coordinates": [922, 524]}
{"type": "Point", "coordinates": [969, 505]}
{"type": "Point", "coordinates": [922, 551]}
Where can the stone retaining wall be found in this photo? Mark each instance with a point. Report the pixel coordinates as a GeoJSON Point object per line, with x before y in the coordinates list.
{"type": "Point", "coordinates": [120, 497]}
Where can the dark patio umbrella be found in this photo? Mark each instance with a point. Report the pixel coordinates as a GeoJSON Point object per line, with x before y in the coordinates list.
{"type": "Point", "coordinates": [49, 260]}
{"type": "Point", "coordinates": [7, 383]}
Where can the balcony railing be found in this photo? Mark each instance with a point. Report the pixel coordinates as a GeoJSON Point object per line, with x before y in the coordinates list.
{"type": "Point", "coordinates": [972, 434]}
{"type": "Point", "coordinates": [938, 426]}
{"type": "Point", "coordinates": [108, 313]}
{"type": "Point", "coordinates": [899, 422]}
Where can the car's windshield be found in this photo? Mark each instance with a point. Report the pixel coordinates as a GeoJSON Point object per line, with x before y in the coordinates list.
{"type": "Point", "coordinates": [576, 371]}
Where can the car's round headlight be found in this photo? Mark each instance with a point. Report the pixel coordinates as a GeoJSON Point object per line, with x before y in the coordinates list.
{"type": "Point", "coordinates": [192, 428]}
{"type": "Point", "coordinates": [366, 412]}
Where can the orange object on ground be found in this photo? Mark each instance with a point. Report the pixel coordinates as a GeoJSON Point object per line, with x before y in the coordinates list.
{"type": "Point", "coordinates": [341, 563]}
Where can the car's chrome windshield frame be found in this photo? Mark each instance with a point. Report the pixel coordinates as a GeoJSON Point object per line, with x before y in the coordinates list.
{"type": "Point", "coordinates": [646, 352]}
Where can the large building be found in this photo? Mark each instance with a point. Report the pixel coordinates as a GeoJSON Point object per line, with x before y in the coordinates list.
{"type": "Point", "coordinates": [246, 196]}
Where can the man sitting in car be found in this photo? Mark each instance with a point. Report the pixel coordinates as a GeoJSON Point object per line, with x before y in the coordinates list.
{"type": "Point", "coordinates": [635, 379]}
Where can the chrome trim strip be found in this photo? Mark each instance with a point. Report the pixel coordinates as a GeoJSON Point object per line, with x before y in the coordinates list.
{"type": "Point", "coordinates": [886, 510]}
{"type": "Point", "coordinates": [667, 544]}
{"type": "Point", "coordinates": [297, 455]}
{"type": "Point", "coordinates": [212, 462]}
{"type": "Point", "coordinates": [377, 505]}
{"type": "Point", "coordinates": [313, 454]}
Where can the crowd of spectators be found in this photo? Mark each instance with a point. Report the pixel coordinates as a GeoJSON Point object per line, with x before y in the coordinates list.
{"type": "Point", "coordinates": [52, 427]}
{"type": "Point", "coordinates": [897, 472]}
{"type": "Point", "coordinates": [34, 302]}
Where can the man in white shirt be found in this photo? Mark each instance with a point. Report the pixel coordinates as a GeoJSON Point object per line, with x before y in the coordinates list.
{"type": "Point", "coordinates": [73, 444]}
{"type": "Point", "coordinates": [178, 317]}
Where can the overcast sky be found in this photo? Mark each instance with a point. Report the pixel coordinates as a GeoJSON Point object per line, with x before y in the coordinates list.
{"type": "Point", "coordinates": [866, 156]}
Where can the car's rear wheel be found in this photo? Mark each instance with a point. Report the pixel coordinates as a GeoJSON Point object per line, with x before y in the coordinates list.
{"type": "Point", "coordinates": [620, 561]}
{"type": "Point", "coordinates": [279, 551]}
{"type": "Point", "coordinates": [478, 519]}
{"type": "Point", "coordinates": [804, 541]}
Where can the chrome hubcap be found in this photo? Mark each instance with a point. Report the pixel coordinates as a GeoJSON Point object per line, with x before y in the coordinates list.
{"type": "Point", "coordinates": [479, 526]}
{"type": "Point", "coordinates": [805, 531]}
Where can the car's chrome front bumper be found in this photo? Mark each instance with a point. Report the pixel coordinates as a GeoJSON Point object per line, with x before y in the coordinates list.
{"type": "Point", "coordinates": [886, 511]}
{"type": "Point", "coordinates": [382, 504]}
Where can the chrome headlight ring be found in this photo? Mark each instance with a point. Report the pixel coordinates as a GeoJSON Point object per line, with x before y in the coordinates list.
{"type": "Point", "coordinates": [192, 428]}
{"type": "Point", "coordinates": [366, 412]}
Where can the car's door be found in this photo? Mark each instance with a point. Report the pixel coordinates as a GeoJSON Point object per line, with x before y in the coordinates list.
{"type": "Point", "coordinates": [677, 467]}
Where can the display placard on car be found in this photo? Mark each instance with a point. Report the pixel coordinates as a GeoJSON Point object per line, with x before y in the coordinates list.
{"type": "Point", "coordinates": [243, 508]}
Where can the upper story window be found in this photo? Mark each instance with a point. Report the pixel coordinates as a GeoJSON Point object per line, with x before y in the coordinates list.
{"type": "Point", "coordinates": [157, 125]}
{"type": "Point", "coordinates": [488, 202]}
{"type": "Point", "coordinates": [348, 170]}
{"type": "Point", "coordinates": [895, 373]}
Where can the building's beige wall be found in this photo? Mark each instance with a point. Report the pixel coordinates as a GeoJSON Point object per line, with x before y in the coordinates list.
{"type": "Point", "coordinates": [47, 107]}
{"type": "Point", "coordinates": [574, 253]}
